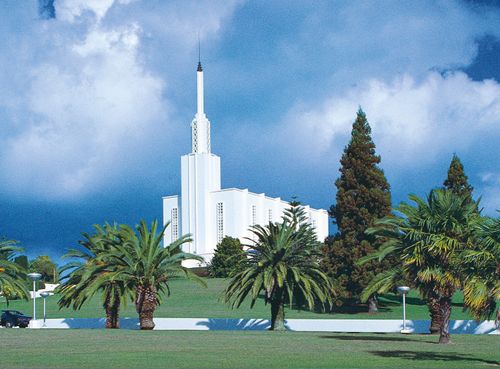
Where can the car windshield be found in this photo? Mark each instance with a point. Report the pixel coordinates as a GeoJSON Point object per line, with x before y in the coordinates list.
{"type": "Point", "coordinates": [12, 312]}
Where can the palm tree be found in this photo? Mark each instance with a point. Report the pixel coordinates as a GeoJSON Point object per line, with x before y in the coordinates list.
{"type": "Point", "coordinates": [480, 266]}
{"type": "Point", "coordinates": [427, 238]}
{"type": "Point", "coordinates": [145, 268]}
{"type": "Point", "coordinates": [283, 262]}
{"type": "Point", "coordinates": [12, 275]}
{"type": "Point", "coordinates": [90, 274]}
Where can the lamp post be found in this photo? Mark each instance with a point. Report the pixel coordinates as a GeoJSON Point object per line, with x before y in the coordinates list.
{"type": "Point", "coordinates": [35, 277]}
{"type": "Point", "coordinates": [404, 291]}
{"type": "Point", "coordinates": [44, 294]}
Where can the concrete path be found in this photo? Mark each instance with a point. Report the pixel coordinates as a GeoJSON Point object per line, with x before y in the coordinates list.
{"type": "Point", "coordinates": [311, 325]}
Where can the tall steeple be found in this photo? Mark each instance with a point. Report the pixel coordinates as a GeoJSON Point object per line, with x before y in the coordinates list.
{"type": "Point", "coordinates": [200, 127]}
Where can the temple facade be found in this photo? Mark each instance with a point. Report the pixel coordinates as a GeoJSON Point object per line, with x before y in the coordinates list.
{"type": "Point", "coordinates": [209, 213]}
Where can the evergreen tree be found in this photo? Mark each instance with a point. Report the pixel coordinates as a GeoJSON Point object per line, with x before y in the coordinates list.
{"type": "Point", "coordinates": [457, 180]}
{"type": "Point", "coordinates": [363, 195]}
{"type": "Point", "coordinates": [46, 267]}
{"type": "Point", "coordinates": [228, 259]}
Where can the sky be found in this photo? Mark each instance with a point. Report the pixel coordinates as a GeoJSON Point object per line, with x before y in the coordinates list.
{"type": "Point", "coordinates": [97, 97]}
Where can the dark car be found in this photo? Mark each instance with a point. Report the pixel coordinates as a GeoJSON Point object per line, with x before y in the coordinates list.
{"type": "Point", "coordinates": [13, 318]}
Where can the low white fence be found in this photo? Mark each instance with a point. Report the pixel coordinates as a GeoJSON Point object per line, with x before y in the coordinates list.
{"type": "Point", "coordinates": [303, 325]}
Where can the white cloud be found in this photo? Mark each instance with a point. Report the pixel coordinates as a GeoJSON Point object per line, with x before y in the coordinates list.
{"type": "Point", "coordinates": [89, 116]}
{"type": "Point", "coordinates": [69, 10]}
{"type": "Point", "coordinates": [82, 108]}
{"type": "Point", "coordinates": [412, 122]}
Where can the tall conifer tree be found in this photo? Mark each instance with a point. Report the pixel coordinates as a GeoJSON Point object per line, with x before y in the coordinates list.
{"type": "Point", "coordinates": [363, 195]}
{"type": "Point", "coordinates": [457, 180]}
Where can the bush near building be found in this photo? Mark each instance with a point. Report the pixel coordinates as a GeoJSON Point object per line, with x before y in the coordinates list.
{"type": "Point", "coordinates": [228, 258]}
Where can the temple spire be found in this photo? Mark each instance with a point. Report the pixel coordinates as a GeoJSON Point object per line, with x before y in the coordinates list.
{"type": "Point", "coordinates": [200, 69]}
{"type": "Point", "coordinates": [199, 89]}
{"type": "Point", "coordinates": [200, 127]}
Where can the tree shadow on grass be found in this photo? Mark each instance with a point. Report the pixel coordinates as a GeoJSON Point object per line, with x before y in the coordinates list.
{"type": "Point", "coordinates": [432, 356]}
{"type": "Point", "coordinates": [397, 300]}
{"type": "Point", "coordinates": [221, 324]}
{"type": "Point", "coordinates": [349, 308]}
{"type": "Point", "coordinates": [391, 299]}
{"type": "Point", "coordinates": [374, 337]}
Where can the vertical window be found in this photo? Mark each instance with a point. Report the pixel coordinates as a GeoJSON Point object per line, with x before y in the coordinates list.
{"type": "Point", "coordinates": [175, 225]}
{"type": "Point", "coordinates": [219, 217]}
{"type": "Point", "coordinates": [254, 214]}
{"type": "Point", "coordinates": [270, 213]}
{"type": "Point", "coordinates": [194, 132]}
{"type": "Point", "coordinates": [313, 223]}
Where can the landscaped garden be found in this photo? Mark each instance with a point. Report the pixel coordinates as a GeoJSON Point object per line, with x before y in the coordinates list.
{"type": "Point", "coordinates": [80, 348]}
{"type": "Point", "coordinates": [440, 246]}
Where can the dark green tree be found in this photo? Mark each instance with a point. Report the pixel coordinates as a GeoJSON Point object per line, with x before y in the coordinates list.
{"type": "Point", "coordinates": [88, 272]}
{"type": "Point", "coordinates": [22, 260]}
{"type": "Point", "coordinates": [457, 180]}
{"type": "Point", "coordinates": [363, 195]}
{"type": "Point", "coordinates": [145, 268]}
{"type": "Point", "coordinates": [44, 265]}
{"type": "Point", "coordinates": [12, 275]}
{"type": "Point", "coordinates": [432, 240]}
{"type": "Point", "coordinates": [283, 266]}
{"type": "Point", "coordinates": [228, 259]}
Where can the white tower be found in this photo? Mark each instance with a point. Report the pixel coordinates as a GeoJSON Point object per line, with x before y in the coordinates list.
{"type": "Point", "coordinates": [209, 213]}
{"type": "Point", "coordinates": [200, 175]}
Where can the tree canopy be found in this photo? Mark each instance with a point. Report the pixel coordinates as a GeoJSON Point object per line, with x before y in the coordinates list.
{"type": "Point", "coordinates": [363, 195]}
{"type": "Point", "coordinates": [428, 238]}
{"type": "Point", "coordinates": [12, 275]}
{"type": "Point", "coordinates": [456, 180]}
{"type": "Point", "coordinates": [44, 265]}
{"type": "Point", "coordinates": [283, 263]}
{"type": "Point", "coordinates": [228, 258]}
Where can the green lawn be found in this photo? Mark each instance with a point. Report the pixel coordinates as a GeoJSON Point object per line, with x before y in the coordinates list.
{"type": "Point", "coordinates": [80, 348]}
{"type": "Point", "coordinates": [189, 300]}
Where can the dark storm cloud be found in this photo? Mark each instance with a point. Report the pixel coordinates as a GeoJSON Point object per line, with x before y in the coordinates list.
{"type": "Point", "coordinates": [46, 9]}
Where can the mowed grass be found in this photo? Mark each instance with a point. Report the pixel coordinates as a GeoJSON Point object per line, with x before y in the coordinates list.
{"type": "Point", "coordinates": [190, 300]}
{"type": "Point", "coordinates": [23, 348]}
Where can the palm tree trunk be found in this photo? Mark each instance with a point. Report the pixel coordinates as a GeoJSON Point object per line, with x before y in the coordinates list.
{"type": "Point", "coordinates": [445, 309]}
{"type": "Point", "coordinates": [277, 316]}
{"type": "Point", "coordinates": [372, 305]}
{"type": "Point", "coordinates": [113, 316]}
{"type": "Point", "coordinates": [145, 305]}
{"type": "Point", "coordinates": [436, 316]}
{"type": "Point", "coordinates": [112, 307]}
{"type": "Point", "coordinates": [497, 319]}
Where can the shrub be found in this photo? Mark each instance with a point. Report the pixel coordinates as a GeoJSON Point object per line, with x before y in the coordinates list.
{"type": "Point", "coordinates": [228, 259]}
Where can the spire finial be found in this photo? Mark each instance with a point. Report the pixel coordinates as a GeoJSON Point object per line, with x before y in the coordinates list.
{"type": "Point", "coordinates": [200, 69]}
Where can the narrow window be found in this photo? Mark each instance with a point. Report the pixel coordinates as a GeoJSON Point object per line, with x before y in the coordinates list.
{"type": "Point", "coordinates": [270, 212]}
{"type": "Point", "coordinates": [220, 221]}
{"type": "Point", "coordinates": [254, 214]}
{"type": "Point", "coordinates": [175, 225]}
{"type": "Point", "coordinates": [194, 132]}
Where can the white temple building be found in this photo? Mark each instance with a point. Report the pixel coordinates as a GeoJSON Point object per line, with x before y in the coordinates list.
{"type": "Point", "coordinates": [210, 213]}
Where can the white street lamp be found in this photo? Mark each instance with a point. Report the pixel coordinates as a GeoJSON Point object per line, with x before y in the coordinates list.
{"type": "Point", "coordinates": [44, 294]}
{"type": "Point", "coordinates": [35, 277]}
{"type": "Point", "coordinates": [404, 291]}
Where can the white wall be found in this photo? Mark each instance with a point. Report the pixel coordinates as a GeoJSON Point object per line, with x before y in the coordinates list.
{"type": "Point", "coordinates": [300, 325]}
{"type": "Point", "coordinates": [200, 174]}
{"type": "Point", "coordinates": [238, 205]}
{"type": "Point", "coordinates": [197, 210]}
